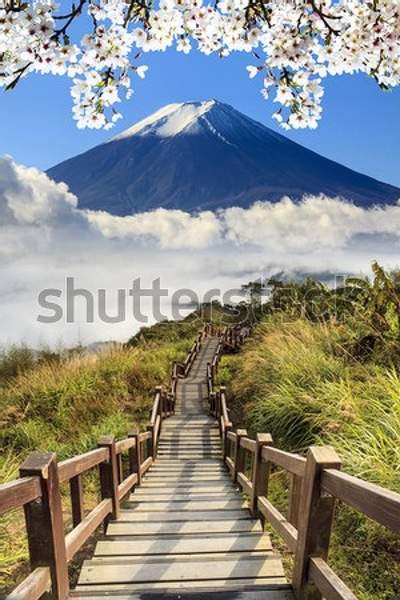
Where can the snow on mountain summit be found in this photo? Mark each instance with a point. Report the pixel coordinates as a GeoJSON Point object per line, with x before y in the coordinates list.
{"type": "Point", "coordinates": [170, 120]}
{"type": "Point", "coordinates": [205, 156]}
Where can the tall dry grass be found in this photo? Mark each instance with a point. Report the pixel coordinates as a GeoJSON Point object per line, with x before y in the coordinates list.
{"type": "Point", "coordinates": [300, 382]}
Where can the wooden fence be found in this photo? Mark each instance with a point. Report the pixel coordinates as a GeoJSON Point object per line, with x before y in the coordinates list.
{"type": "Point", "coordinates": [38, 491]}
{"type": "Point", "coordinates": [316, 484]}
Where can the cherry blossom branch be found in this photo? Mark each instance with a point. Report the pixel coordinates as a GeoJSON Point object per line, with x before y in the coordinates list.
{"type": "Point", "coordinates": [297, 43]}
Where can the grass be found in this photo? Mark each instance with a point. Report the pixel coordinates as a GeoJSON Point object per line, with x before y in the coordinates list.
{"type": "Point", "coordinates": [300, 382]}
{"type": "Point", "coordinates": [66, 405]}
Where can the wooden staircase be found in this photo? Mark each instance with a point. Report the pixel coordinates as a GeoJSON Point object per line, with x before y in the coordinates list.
{"type": "Point", "coordinates": [186, 529]}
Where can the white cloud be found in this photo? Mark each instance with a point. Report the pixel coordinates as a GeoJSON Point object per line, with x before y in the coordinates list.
{"type": "Point", "coordinates": [44, 238]}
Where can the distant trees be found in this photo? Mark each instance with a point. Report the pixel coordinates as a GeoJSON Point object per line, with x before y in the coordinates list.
{"type": "Point", "coordinates": [372, 305]}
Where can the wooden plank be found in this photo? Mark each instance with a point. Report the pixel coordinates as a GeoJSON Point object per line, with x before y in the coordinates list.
{"type": "Point", "coordinates": [125, 487]}
{"type": "Point", "coordinates": [328, 583]}
{"type": "Point", "coordinates": [32, 587]}
{"type": "Point", "coordinates": [124, 445]}
{"type": "Point", "coordinates": [248, 444]}
{"type": "Point", "coordinates": [203, 487]}
{"type": "Point", "coordinates": [239, 590]}
{"type": "Point", "coordinates": [188, 479]}
{"type": "Point", "coordinates": [142, 496]}
{"type": "Point", "coordinates": [185, 544]}
{"type": "Point", "coordinates": [15, 494]}
{"type": "Point", "coordinates": [271, 588]}
{"type": "Point", "coordinates": [114, 571]}
{"type": "Point", "coordinates": [136, 506]}
{"type": "Point", "coordinates": [230, 464]}
{"type": "Point", "coordinates": [278, 522]}
{"type": "Point", "coordinates": [378, 503]}
{"type": "Point", "coordinates": [79, 464]}
{"type": "Point", "coordinates": [245, 484]}
{"type": "Point", "coordinates": [191, 446]}
{"type": "Point", "coordinates": [145, 466]}
{"type": "Point", "coordinates": [164, 527]}
{"type": "Point", "coordinates": [213, 468]}
{"type": "Point", "coordinates": [80, 534]}
{"type": "Point", "coordinates": [293, 463]}
{"type": "Point", "coordinates": [180, 515]}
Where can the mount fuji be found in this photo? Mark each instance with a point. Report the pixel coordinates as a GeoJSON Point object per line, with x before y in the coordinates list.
{"type": "Point", "coordinates": [207, 155]}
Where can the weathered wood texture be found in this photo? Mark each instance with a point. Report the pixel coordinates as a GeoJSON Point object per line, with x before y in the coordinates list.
{"type": "Point", "coordinates": [186, 526]}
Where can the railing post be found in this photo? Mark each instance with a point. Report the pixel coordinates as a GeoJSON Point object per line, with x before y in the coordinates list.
{"type": "Point", "coordinates": [261, 471]}
{"type": "Point", "coordinates": [296, 484]}
{"type": "Point", "coordinates": [239, 454]}
{"type": "Point", "coordinates": [153, 442]}
{"type": "Point", "coordinates": [158, 390]}
{"type": "Point", "coordinates": [315, 520]}
{"type": "Point", "coordinates": [134, 456]}
{"type": "Point", "coordinates": [212, 404]}
{"type": "Point", "coordinates": [75, 486]}
{"type": "Point", "coordinates": [225, 441]}
{"type": "Point", "coordinates": [109, 474]}
{"type": "Point", "coordinates": [44, 522]}
{"type": "Point", "coordinates": [171, 401]}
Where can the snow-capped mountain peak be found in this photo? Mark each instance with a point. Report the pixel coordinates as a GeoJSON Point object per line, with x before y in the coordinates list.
{"type": "Point", "coordinates": [206, 155]}
{"type": "Point", "coordinates": [171, 120]}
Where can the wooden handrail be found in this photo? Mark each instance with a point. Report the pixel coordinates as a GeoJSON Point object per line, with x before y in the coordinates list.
{"type": "Point", "coordinates": [293, 463]}
{"type": "Point", "coordinates": [33, 586]}
{"type": "Point", "coordinates": [379, 504]}
{"type": "Point", "coordinates": [19, 492]}
{"type": "Point", "coordinates": [316, 483]}
{"type": "Point", "coordinates": [248, 444]}
{"type": "Point", "coordinates": [41, 477]}
{"type": "Point", "coordinates": [328, 583]}
{"type": "Point", "coordinates": [80, 464]}
{"type": "Point", "coordinates": [76, 538]}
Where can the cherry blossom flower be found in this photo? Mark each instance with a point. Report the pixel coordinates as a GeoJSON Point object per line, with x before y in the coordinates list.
{"type": "Point", "coordinates": [297, 43]}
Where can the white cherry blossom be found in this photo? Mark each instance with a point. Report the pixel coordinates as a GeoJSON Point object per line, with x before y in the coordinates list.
{"type": "Point", "coordinates": [296, 44]}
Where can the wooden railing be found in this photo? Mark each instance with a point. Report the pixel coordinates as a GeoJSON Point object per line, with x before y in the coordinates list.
{"type": "Point", "coordinates": [316, 483]}
{"type": "Point", "coordinates": [38, 492]}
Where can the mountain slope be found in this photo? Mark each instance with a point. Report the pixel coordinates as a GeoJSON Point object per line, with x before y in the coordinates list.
{"type": "Point", "coordinates": [206, 155]}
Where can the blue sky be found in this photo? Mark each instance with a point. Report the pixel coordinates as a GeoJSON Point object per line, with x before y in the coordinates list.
{"type": "Point", "coordinates": [360, 127]}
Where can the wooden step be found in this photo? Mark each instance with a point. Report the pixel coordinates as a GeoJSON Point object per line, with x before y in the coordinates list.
{"type": "Point", "coordinates": [136, 505]}
{"type": "Point", "coordinates": [186, 544]}
{"type": "Point", "coordinates": [154, 495]}
{"type": "Point", "coordinates": [200, 486]}
{"type": "Point", "coordinates": [239, 589]}
{"type": "Point", "coordinates": [190, 468]}
{"type": "Point", "coordinates": [190, 442]}
{"type": "Point", "coordinates": [188, 485]}
{"type": "Point", "coordinates": [183, 515]}
{"type": "Point", "coordinates": [163, 527]}
{"type": "Point", "coordinates": [222, 477]}
{"type": "Point", "coordinates": [193, 569]}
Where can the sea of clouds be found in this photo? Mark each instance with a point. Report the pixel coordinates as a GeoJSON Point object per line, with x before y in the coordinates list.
{"type": "Point", "coordinates": [45, 238]}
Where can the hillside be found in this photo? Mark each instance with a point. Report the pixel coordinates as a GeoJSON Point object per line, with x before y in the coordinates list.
{"type": "Point", "coordinates": [321, 371]}
{"type": "Point", "coordinates": [204, 156]}
{"type": "Point", "coordinates": [322, 366]}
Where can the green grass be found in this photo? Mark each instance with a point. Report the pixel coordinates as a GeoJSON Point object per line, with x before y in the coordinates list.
{"type": "Point", "coordinates": [300, 382]}
{"type": "Point", "coordinates": [65, 406]}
